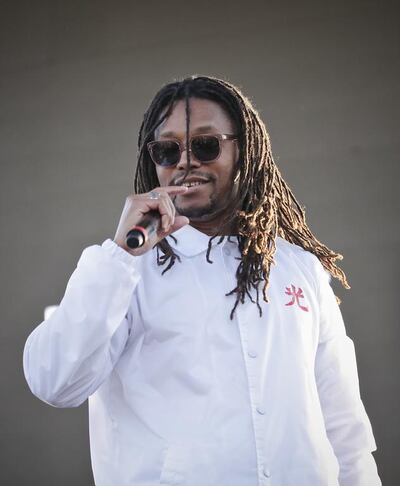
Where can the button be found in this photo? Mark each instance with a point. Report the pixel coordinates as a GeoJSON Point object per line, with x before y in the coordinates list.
{"type": "Point", "coordinates": [227, 251]}
{"type": "Point", "coordinates": [260, 410]}
{"type": "Point", "coordinates": [266, 472]}
{"type": "Point", "coordinates": [252, 354]}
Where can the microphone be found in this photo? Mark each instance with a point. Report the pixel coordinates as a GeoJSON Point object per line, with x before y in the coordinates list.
{"type": "Point", "coordinates": [145, 228]}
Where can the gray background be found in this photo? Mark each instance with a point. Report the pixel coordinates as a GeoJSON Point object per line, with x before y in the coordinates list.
{"type": "Point", "coordinates": [76, 77]}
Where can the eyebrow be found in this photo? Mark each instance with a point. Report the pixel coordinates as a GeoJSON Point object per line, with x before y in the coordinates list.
{"type": "Point", "coordinates": [201, 129]}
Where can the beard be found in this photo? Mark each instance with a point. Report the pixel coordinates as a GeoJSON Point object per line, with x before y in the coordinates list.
{"type": "Point", "coordinates": [201, 212]}
{"type": "Point", "coordinates": [217, 203]}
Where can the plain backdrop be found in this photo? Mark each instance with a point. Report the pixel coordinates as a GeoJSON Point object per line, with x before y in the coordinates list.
{"type": "Point", "coordinates": [75, 80]}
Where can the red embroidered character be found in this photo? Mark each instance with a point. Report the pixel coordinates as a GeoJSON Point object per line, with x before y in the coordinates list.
{"type": "Point", "coordinates": [296, 295]}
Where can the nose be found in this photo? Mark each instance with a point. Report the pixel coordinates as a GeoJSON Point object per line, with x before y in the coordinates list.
{"type": "Point", "coordinates": [182, 164]}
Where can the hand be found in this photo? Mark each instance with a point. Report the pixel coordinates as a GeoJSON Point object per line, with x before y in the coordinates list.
{"type": "Point", "coordinates": [137, 205]}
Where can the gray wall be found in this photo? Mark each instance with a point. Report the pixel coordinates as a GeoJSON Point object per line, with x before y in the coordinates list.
{"type": "Point", "coordinates": [75, 79]}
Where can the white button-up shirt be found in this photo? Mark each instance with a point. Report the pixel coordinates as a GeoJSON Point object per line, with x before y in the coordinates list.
{"type": "Point", "coordinates": [180, 394]}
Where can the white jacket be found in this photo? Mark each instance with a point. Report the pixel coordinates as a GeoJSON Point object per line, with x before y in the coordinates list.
{"type": "Point", "coordinates": [179, 394]}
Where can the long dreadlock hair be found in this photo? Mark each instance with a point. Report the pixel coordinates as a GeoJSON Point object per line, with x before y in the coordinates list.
{"type": "Point", "coordinates": [263, 207]}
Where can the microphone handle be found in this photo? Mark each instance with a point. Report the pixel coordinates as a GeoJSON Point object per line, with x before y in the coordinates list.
{"type": "Point", "coordinates": [143, 230]}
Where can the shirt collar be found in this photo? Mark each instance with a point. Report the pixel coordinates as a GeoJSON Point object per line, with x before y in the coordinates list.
{"type": "Point", "coordinates": [191, 242]}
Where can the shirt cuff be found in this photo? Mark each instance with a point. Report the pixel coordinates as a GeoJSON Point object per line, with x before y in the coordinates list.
{"type": "Point", "coordinates": [116, 251]}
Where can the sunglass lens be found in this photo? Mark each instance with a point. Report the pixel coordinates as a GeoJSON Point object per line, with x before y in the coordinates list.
{"type": "Point", "coordinates": [205, 148]}
{"type": "Point", "coordinates": [165, 153]}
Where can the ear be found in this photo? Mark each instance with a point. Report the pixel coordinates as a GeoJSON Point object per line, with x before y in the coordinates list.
{"type": "Point", "coordinates": [237, 170]}
{"type": "Point", "coordinates": [237, 152]}
{"type": "Point", "coordinates": [236, 156]}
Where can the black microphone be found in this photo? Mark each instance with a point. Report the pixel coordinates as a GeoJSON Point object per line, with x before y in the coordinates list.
{"type": "Point", "coordinates": [145, 228]}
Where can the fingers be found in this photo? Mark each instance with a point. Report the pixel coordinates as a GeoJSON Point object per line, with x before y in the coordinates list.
{"type": "Point", "coordinates": [163, 192]}
{"type": "Point", "coordinates": [172, 189]}
{"type": "Point", "coordinates": [137, 205]}
{"type": "Point", "coordinates": [163, 204]}
{"type": "Point", "coordinates": [167, 212]}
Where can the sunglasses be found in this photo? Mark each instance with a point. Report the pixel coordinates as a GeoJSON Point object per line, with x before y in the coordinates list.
{"type": "Point", "coordinates": [204, 148]}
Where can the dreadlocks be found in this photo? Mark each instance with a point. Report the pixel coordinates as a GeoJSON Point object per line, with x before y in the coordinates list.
{"type": "Point", "coordinates": [264, 206]}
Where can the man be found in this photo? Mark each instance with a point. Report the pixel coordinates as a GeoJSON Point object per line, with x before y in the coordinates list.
{"type": "Point", "coordinates": [215, 354]}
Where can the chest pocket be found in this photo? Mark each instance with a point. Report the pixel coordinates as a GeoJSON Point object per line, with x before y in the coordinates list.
{"type": "Point", "coordinates": [166, 305]}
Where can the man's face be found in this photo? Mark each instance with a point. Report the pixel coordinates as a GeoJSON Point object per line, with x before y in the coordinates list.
{"type": "Point", "coordinates": [207, 201]}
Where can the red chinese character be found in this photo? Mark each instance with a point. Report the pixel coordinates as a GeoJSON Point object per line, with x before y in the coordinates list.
{"type": "Point", "coordinates": [296, 295]}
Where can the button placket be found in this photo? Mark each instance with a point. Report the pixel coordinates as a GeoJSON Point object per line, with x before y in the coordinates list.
{"type": "Point", "coordinates": [251, 372]}
{"type": "Point", "coordinates": [266, 471]}
{"type": "Point", "coordinates": [257, 410]}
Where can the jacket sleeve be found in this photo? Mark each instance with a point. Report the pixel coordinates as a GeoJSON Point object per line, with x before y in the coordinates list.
{"type": "Point", "coordinates": [347, 424]}
{"type": "Point", "coordinates": [69, 355]}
